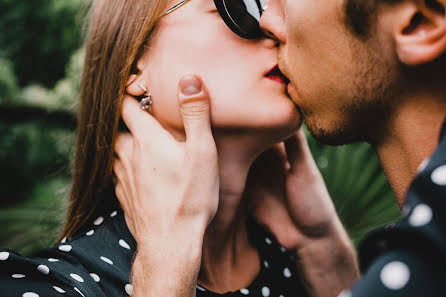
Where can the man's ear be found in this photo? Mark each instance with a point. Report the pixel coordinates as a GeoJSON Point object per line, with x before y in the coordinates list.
{"type": "Point", "coordinates": [420, 31]}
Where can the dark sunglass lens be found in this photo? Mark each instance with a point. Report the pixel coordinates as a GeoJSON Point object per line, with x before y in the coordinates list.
{"type": "Point", "coordinates": [245, 15]}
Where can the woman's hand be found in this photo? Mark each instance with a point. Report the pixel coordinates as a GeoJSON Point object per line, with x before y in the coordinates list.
{"type": "Point", "coordinates": [287, 194]}
{"type": "Point", "coordinates": [168, 190]}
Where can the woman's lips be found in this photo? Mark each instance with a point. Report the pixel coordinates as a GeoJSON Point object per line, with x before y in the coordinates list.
{"type": "Point", "coordinates": [276, 75]}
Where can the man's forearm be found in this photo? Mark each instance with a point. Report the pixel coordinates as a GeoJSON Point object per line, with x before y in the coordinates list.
{"type": "Point", "coordinates": [329, 264]}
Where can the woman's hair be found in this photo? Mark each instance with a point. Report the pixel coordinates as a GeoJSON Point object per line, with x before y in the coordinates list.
{"type": "Point", "coordinates": [118, 34]}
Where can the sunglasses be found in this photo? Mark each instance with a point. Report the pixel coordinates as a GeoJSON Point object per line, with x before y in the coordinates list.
{"type": "Point", "coordinates": [241, 16]}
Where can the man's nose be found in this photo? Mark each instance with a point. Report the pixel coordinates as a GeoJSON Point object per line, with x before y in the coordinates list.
{"type": "Point", "coordinates": [272, 21]}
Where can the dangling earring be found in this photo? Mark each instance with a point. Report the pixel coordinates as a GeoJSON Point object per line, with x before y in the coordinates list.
{"type": "Point", "coordinates": [145, 99]}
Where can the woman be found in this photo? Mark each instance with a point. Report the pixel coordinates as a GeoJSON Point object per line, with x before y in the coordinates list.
{"type": "Point", "coordinates": [140, 46]}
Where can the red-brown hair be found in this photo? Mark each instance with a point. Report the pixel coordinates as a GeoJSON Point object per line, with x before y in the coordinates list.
{"type": "Point", "coordinates": [118, 33]}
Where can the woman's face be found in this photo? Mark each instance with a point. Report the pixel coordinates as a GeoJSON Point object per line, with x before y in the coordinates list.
{"type": "Point", "coordinates": [194, 39]}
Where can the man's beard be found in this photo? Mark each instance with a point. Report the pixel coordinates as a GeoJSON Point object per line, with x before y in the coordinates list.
{"type": "Point", "coordinates": [364, 118]}
{"type": "Point", "coordinates": [361, 123]}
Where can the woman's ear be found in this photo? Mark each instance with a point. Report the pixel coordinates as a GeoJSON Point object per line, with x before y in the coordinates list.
{"type": "Point", "coordinates": [420, 31]}
{"type": "Point", "coordinates": [136, 86]}
{"type": "Point", "coordinates": [137, 82]}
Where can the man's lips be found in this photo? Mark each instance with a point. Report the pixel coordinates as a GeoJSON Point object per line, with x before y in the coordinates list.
{"type": "Point", "coordinates": [276, 75]}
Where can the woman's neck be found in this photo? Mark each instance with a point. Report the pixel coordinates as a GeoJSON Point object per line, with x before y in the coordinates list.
{"type": "Point", "coordinates": [229, 261]}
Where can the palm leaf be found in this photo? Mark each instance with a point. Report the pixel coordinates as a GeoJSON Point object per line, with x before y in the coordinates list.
{"type": "Point", "coordinates": [357, 185]}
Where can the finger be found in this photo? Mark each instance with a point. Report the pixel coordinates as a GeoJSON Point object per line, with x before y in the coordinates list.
{"type": "Point", "coordinates": [135, 87]}
{"type": "Point", "coordinates": [140, 123]}
{"type": "Point", "coordinates": [120, 194]}
{"type": "Point", "coordinates": [280, 150]}
{"type": "Point", "coordinates": [195, 109]}
{"type": "Point", "coordinates": [118, 170]}
{"type": "Point", "coordinates": [123, 145]}
{"type": "Point", "coordinates": [297, 148]}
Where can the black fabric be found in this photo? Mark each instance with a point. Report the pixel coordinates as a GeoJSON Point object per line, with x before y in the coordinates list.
{"type": "Point", "coordinates": [98, 262]}
{"type": "Point", "coordinates": [409, 258]}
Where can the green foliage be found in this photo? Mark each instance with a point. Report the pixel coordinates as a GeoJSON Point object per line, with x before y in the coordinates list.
{"type": "Point", "coordinates": [35, 223]}
{"type": "Point", "coordinates": [41, 64]}
{"type": "Point", "coordinates": [8, 81]}
{"type": "Point", "coordinates": [30, 153]}
{"type": "Point", "coordinates": [64, 94]}
{"type": "Point", "coordinates": [357, 185]}
{"type": "Point", "coordinates": [39, 36]}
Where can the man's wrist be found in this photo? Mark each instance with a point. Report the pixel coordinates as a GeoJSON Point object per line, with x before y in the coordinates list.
{"type": "Point", "coordinates": [330, 261]}
{"type": "Point", "coordinates": [169, 270]}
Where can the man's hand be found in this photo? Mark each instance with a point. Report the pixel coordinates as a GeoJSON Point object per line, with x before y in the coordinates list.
{"type": "Point", "coordinates": [288, 195]}
{"type": "Point", "coordinates": [169, 192]}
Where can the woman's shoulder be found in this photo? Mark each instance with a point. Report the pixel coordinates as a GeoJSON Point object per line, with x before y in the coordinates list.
{"type": "Point", "coordinates": [92, 263]}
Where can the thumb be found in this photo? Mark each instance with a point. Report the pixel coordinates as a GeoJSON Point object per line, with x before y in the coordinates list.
{"type": "Point", "coordinates": [298, 152]}
{"type": "Point", "coordinates": [195, 109]}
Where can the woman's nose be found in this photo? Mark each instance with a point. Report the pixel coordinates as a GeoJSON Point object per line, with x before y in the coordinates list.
{"type": "Point", "coordinates": [272, 21]}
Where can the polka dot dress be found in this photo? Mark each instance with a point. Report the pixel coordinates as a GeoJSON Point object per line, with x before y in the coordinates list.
{"type": "Point", "coordinates": [97, 263]}
{"type": "Point", "coordinates": [409, 258]}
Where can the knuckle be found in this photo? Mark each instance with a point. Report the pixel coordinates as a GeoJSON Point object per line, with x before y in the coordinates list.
{"type": "Point", "coordinates": [196, 109]}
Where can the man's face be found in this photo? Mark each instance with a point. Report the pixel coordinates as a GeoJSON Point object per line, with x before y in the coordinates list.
{"type": "Point", "coordinates": [340, 81]}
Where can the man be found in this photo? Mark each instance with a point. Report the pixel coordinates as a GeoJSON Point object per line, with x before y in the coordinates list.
{"type": "Point", "coordinates": [361, 71]}
{"type": "Point", "coordinates": [371, 70]}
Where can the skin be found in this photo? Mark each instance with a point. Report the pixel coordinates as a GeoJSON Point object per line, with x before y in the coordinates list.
{"type": "Point", "coordinates": [243, 127]}
{"type": "Point", "coordinates": [387, 89]}
{"type": "Point", "coordinates": [353, 89]}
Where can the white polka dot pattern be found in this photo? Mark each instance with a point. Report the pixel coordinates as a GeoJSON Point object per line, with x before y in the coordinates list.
{"type": "Point", "coordinates": [30, 294]}
{"type": "Point", "coordinates": [44, 269]}
{"type": "Point", "coordinates": [4, 256]}
{"type": "Point", "coordinates": [95, 277]}
{"type": "Point", "coordinates": [124, 244]}
{"type": "Point", "coordinates": [65, 248]}
{"type": "Point", "coordinates": [421, 215]}
{"type": "Point", "coordinates": [17, 275]}
{"type": "Point", "coordinates": [63, 240]}
{"type": "Point", "coordinates": [77, 290]}
{"type": "Point", "coordinates": [287, 272]}
{"type": "Point", "coordinates": [98, 221]}
{"type": "Point", "coordinates": [439, 176]}
{"type": "Point", "coordinates": [77, 277]}
{"type": "Point", "coordinates": [84, 281]}
{"type": "Point", "coordinates": [244, 291]}
{"type": "Point", "coordinates": [113, 214]}
{"type": "Point", "coordinates": [58, 289]}
{"type": "Point", "coordinates": [106, 260]}
{"type": "Point", "coordinates": [129, 289]}
{"type": "Point", "coordinates": [395, 275]}
{"type": "Point", "coordinates": [423, 165]}
{"type": "Point", "coordinates": [265, 292]}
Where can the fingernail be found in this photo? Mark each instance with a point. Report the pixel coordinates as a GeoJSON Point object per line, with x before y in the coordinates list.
{"type": "Point", "coordinates": [190, 85]}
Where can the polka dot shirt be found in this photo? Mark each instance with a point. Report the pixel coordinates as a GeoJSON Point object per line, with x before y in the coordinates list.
{"type": "Point", "coordinates": [97, 263]}
{"type": "Point", "coordinates": [409, 258]}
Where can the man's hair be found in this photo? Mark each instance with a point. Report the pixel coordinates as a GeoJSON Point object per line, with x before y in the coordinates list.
{"type": "Point", "coordinates": [360, 15]}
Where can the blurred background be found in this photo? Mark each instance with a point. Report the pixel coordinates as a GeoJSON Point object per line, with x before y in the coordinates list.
{"type": "Point", "coordinates": [41, 58]}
